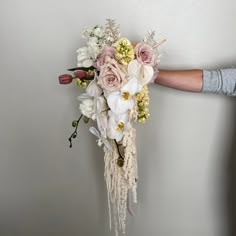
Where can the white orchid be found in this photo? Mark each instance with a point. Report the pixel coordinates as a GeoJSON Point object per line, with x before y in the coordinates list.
{"type": "Point", "coordinates": [123, 100]}
{"type": "Point", "coordinates": [117, 124]}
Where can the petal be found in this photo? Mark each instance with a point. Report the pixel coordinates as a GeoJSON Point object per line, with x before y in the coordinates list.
{"type": "Point", "coordinates": [82, 50]}
{"type": "Point", "coordinates": [118, 105]}
{"type": "Point", "coordinates": [113, 134]}
{"type": "Point", "coordinates": [82, 57]}
{"type": "Point", "coordinates": [87, 63]}
{"type": "Point", "coordinates": [101, 104]}
{"type": "Point", "coordinates": [146, 74]}
{"type": "Point", "coordinates": [112, 131]}
{"type": "Point", "coordinates": [131, 86]}
{"type": "Point", "coordinates": [83, 97]}
{"type": "Point", "coordinates": [101, 115]}
{"type": "Point", "coordinates": [113, 122]}
{"type": "Point", "coordinates": [134, 68]}
{"type": "Point", "coordinates": [107, 144]}
{"type": "Point", "coordinates": [143, 73]}
{"type": "Point", "coordinates": [124, 117]}
{"type": "Point", "coordinates": [112, 100]}
{"type": "Point", "coordinates": [95, 132]}
{"type": "Point", "coordinates": [94, 89]}
{"type": "Point", "coordinates": [102, 123]}
{"type": "Point", "coordinates": [119, 136]}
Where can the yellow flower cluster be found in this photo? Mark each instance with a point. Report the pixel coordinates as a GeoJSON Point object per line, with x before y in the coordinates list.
{"type": "Point", "coordinates": [142, 100]}
{"type": "Point", "coordinates": [84, 82]}
{"type": "Point", "coordinates": [124, 51]}
{"type": "Point", "coordinates": [81, 83]}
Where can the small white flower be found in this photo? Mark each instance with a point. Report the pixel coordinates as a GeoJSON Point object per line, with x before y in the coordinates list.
{"type": "Point", "coordinates": [84, 58]}
{"type": "Point", "coordinates": [99, 142]}
{"type": "Point", "coordinates": [99, 32]}
{"type": "Point", "coordinates": [93, 50]}
{"type": "Point", "coordinates": [86, 32]}
{"type": "Point", "coordinates": [88, 109]}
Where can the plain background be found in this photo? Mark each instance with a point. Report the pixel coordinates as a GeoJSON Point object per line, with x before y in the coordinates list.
{"type": "Point", "coordinates": [184, 150]}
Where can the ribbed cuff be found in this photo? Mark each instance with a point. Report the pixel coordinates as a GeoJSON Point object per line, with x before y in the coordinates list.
{"type": "Point", "coordinates": [212, 81]}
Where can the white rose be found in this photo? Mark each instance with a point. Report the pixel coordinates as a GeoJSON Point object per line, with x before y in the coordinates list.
{"type": "Point", "coordinates": [87, 108]}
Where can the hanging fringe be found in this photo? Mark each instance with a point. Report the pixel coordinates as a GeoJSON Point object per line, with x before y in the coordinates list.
{"type": "Point", "coordinates": [121, 180]}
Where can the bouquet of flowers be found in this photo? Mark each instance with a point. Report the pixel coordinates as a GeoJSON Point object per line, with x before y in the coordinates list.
{"type": "Point", "coordinates": [115, 74]}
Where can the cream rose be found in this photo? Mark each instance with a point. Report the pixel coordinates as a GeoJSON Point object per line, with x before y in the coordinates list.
{"type": "Point", "coordinates": [112, 75]}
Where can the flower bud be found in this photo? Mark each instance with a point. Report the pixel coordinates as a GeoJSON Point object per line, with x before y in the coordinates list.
{"type": "Point", "coordinates": [80, 74]}
{"type": "Point", "coordinates": [65, 79]}
{"type": "Point", "coordinates": [74, 123]}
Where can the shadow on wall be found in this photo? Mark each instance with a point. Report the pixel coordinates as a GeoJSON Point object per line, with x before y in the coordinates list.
{"type": "Point", "coordinates": [231, 183]}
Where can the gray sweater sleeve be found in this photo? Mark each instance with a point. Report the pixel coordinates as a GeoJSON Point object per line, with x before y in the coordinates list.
{"type": "Point", "coordinates": [220, 81]}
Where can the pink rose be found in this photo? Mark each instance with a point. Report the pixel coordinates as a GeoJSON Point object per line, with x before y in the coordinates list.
{"type": "Point", "coordinates": [107, 52]}
{"type": "Point", "coordinates": [112, 76]}
{"type": "Point", "coordinates": [144, 54]}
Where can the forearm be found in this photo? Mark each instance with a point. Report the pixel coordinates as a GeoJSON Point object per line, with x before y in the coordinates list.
{"type": "Point", "coordinates": [187, 80]}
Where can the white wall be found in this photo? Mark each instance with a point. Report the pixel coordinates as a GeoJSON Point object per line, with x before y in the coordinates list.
{"type": "Point", "coordinates": [184, 149]}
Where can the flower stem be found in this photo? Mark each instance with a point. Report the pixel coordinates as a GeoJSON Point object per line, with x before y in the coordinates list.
{"type": "Point", "coordinates": [74, 134]}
